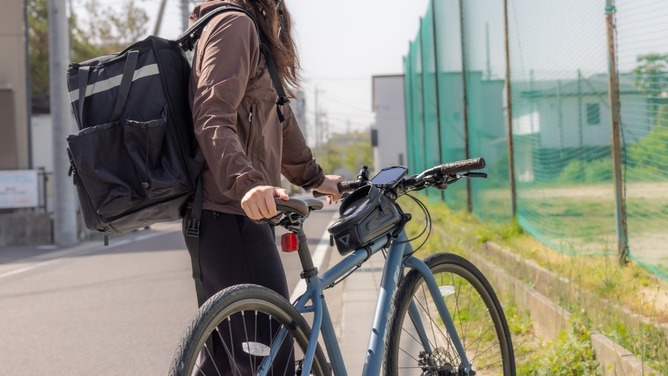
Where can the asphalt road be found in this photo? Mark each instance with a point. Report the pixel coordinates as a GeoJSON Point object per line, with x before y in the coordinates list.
{"type": "Point", "coordinates": [95, 310]}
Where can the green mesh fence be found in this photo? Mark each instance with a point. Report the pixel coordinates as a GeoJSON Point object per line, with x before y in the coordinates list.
{"type": "Point", "coordinates": [415, 109]}
{"type": "Point", "coordinates": [410, 131]}
{"type": "Point", "coordinates": [561, 117]}
{"type": "Point", "coordinates": [430, 97]}
{"type": "Point", "coordinates": [642, 41]}
{"type": "Point", "coordinates": [561, 124]}
{"type": "Point", "coordinates": [447, 34]}
{"type": "Point", "coordinates": [485, 66]}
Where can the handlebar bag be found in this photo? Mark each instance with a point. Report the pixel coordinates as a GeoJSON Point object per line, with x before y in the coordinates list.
{"type": "Point", "coordinates": [365, 215]}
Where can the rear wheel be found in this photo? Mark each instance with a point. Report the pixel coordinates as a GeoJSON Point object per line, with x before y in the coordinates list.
{"type": "Point", "coordinates": [475, 311]}
{"type": "Point", "coordinates": [236, 329]}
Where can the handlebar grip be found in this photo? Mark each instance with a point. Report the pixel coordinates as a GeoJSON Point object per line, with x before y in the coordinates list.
{"type": "Point", "coordinates": [349, 185]}
{"type": "Point", "coordinates": [462, 166]}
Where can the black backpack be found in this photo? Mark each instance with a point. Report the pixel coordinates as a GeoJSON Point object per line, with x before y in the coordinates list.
{"type": "Point", "coordinates": [135, 161]}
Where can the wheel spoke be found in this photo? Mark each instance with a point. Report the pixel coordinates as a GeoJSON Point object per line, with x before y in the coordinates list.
{"type": "Point", "coordinates": [475, 311]}
{"type": "Point", "coordinates": [247, 321]}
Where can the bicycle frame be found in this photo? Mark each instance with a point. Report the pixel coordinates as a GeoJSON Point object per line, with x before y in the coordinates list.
{"type": "Point", "coordinates": [399, 256]}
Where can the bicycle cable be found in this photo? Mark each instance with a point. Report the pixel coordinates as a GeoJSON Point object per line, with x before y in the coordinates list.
{"type": "Point", "coordinates": [343, 277]}
{"type": "Point", "coordinates": [427, 227]}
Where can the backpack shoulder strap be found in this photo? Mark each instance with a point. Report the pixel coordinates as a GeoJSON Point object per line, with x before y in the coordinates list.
{"type": "Point", "coordinates": [189, 37]}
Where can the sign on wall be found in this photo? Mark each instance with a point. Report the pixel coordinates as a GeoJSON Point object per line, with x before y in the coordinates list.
{"type": "Point", "coordinates": [18, 189]}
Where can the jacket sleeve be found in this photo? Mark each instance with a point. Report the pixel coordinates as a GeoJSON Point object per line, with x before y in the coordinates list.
{"type": "Point", "coordinates": [297, 163]}
{"type": "Point", "coordinates": [230, 55]}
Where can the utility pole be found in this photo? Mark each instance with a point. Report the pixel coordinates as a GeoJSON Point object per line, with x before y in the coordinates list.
{"type": "Point", "coordinates": [316, 122]}
{"type": "Point", "coordinates": [158, 22]}
{"type": "Point", "coordinates": [320, 125]}
{"type": "Point", "coordinates": [65, 216]}
{"type": "Point", "coordinates": [185, 13]}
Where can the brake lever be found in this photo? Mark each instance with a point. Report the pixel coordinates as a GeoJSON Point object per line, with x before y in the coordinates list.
{"type": "Point", "coordinates": [474, 175]}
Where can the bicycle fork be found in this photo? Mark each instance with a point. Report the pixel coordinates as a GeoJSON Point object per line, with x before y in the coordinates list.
{"type": "Point", "coordinates": [401, 249]}
{"type": "Point", "coordinates": [443, 312]}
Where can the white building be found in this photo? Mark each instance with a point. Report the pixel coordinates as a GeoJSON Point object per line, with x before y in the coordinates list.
{"type": "Point", "coordinates": [389, 135]}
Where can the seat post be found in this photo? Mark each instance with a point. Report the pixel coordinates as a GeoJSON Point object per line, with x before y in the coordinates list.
{"type": "Point", "coordinates": [308, 269]}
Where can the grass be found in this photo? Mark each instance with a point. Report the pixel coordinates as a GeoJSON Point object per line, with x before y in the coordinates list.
{"type": "Point", "coordinates": [602, 282]}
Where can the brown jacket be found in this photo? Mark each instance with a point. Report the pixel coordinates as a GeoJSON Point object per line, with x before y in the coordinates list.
{"type": "Point", "coordinates": [234, 112]}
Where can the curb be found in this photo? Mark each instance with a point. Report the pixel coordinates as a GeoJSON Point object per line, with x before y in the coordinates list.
{"type": "Point", "coordinates": [549, 317]}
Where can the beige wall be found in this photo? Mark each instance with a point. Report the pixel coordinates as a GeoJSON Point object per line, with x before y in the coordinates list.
{"type": "Point", "coordinates": [13, 118]}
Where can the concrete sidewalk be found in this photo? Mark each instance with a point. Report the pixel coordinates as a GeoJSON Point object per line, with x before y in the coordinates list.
{"type": "Point", "coordinates": [355, 306]}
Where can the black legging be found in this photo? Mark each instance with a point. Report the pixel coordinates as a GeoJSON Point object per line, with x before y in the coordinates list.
{"type": "Point", "coordinates": [232, 250]}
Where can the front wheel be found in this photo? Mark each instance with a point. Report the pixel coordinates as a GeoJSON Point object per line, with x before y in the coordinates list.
{"type": "Point", "coordinates": [238, 328]}
{"type": "Point", "coordinates": [418, 343]}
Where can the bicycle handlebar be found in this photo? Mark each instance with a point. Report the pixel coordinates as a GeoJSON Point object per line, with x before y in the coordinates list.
{"type": "Point", "coordinates": [445, 169]}
{"type": "Point", "coordinates": [350, 185]}
{"type": "Point", "coordinates": [462, 166]}
{"type": "Point", "coordinates": [343, 186]}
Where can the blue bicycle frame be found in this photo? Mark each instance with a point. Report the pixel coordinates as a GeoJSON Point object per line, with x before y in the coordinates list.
{"type": "Point", "coordinates": [399, 256]}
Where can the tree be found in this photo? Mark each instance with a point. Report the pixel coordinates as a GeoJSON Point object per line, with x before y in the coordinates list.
{"type": "Point", "coordinates": [38, 51]}
{"type": "Point", "coordinates": [648, 157]}
{"type": "Point", "coordinates": [345, 152]}
{"type": "Point", "coordinates": [651, 77]}
{"type": "Point", "coordinates": [651, 73]}
{"type": "Point", "coordinates": [112, 29]}
{"type": "Point", "coordinates": [107, 30]}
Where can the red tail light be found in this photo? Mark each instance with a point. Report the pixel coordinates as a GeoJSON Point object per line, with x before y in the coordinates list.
{"type": "Point", "coordinates": [289, 242]}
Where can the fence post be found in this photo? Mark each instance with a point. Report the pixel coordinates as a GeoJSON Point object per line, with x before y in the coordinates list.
{"type": "Point", "coordinates": [620, 199]}
{"type": "Point", "coordinates": [509, 115]}
{"type": "Point", "coordinates": [438, 99]}
{"type": "Point", "coordinates": [424, 99]}
{"type": "Point", "coordinates": [467, 149]}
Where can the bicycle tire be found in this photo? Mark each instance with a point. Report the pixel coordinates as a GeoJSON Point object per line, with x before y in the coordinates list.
{"type": "Point", "coordinates": [476, 313]}
{"type": "Point", "coordinates": [264, 307]}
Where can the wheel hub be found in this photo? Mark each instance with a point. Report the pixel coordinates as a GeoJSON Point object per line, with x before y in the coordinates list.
{"type": "Point", "coordinates": [436, 363]}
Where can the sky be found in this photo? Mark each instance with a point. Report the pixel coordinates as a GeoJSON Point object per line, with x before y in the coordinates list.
{"type": "Point", "coordinates": [341, 45]}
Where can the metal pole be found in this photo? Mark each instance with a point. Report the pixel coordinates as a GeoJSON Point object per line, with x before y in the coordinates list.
{"type": "Point", "coordinates": [509, 115]}
{"type": "Point", "coordinates": [26, 53]}
{"type": "Point", "coordinates": [65, 217]}
{"type": "Point", "coordinates": [467, 149]}
{"type": "Point", "coordinates": [620, 199]}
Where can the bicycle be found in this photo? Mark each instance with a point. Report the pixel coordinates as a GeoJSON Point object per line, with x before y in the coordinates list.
{"type": "Point", "coordinates": [438, 316]}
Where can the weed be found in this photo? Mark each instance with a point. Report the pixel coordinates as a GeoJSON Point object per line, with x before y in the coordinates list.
{"type": "Point", "coordinates": [570, 353]}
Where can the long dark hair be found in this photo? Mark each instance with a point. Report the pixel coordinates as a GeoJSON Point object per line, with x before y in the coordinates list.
{"type": "Point", "coordinates": [279, 44]}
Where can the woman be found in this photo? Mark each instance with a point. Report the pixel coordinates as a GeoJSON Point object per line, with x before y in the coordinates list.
{"type": "Point", "coordinates": [247, 141]}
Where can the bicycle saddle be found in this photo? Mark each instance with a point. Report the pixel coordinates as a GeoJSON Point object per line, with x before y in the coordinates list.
{"type": "Point", "coordinates": [301, 206]}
